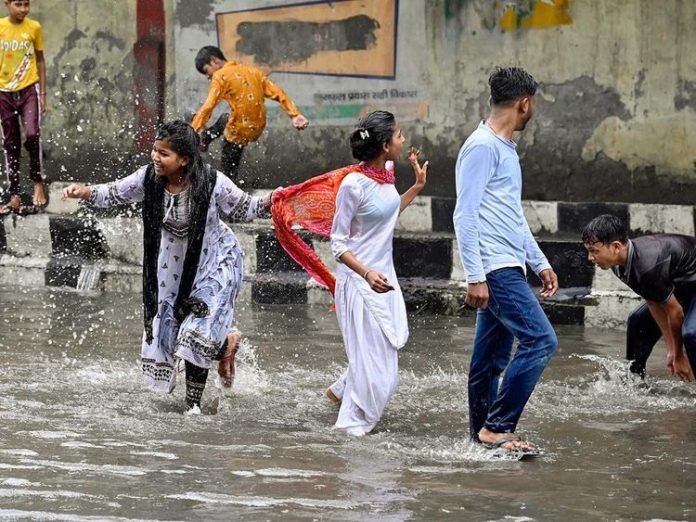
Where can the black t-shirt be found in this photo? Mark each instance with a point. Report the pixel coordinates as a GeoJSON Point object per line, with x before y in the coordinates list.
{"type": "Point", "coordinates": [659, 266]}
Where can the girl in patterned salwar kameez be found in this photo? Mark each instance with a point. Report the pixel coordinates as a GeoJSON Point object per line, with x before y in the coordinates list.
{"type": "Point", "coordinates": [193, 264]}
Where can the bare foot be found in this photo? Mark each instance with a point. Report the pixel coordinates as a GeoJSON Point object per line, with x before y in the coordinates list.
{"type": "Point", "coordinates": [39, 194]}
{"type": "Point", "coordinates": [331, 395]}
{"type": "Point", "coordinates": [12, 206]}
{"type": "Point", "coordinates": [508, 441]}
{"type": "Point", "coordinates": [226, 366]}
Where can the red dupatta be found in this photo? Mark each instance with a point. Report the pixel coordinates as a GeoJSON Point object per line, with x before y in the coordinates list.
{"type": "Point", "coordinates": [312, 205]}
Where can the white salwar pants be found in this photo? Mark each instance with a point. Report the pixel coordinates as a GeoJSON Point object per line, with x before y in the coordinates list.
{"type": "Point", "coordinates": [373, 365]}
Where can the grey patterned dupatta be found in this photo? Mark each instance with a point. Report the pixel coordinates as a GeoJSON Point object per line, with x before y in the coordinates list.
{"type": "Point", "coordinates": [153, 215]}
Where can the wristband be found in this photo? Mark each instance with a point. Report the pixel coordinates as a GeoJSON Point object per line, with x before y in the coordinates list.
{"type": "Point", "coordinates": [365, 274]}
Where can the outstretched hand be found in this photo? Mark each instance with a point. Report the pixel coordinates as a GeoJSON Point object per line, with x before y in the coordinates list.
{"type": "Point", "coordinates": [300, 122]}
{"type": "Point", "coordinates": [421, 172]}
{"type": "Point", "coordinates": [76, 191]}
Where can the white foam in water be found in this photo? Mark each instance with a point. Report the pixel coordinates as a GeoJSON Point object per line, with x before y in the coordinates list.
{"type": "Point", "coordinates": [88, 278]}
{"type": "Point", "coordinates": [217, 498]}
{"type": "Point", "coordinates": [612, 390]}
{"type": "Point", "coordinates": [79, 444]}
{"type": "Point", "coordinates": [284, 473]}
{"type": "Point", "coordinates": [20, 452]}
{"type": "Point", "coordinates": [106, 469]}
{"type": "Point", "coordinates": [17, 514]}
{"type": "Point", "coordinates": [249, 379]}
{"type": "Point", "coordinates": [40, 434]}
{"type": "Point", "coordinates": [168, 456]}
{"type": "Point", "coordinates": [18, 483]}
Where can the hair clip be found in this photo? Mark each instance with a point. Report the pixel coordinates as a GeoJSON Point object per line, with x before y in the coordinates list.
{"type": "Point", "coordinates": [364, 134]}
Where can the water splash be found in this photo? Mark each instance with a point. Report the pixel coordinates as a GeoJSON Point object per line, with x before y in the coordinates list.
{"type": "Point", "coordinates": [89, 277]}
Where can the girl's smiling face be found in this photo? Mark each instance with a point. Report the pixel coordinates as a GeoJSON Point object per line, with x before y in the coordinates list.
{"type": "Point", "coordinates": [166, 160]}
{"type": "Point", "coordinates": [396, 144]}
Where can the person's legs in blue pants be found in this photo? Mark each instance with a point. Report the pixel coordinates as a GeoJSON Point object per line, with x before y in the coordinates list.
{"type": "Point", "coordinates": [517, 308]}
{"type": "Point", "coordinates": [490, 357]}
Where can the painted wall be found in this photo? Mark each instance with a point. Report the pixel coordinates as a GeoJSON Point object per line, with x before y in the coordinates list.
{"type": "Point", "coordinates": [88, 130]}
{"type": "Point", "coordinates": [615, 116]}
{"type": "Point", "coordinates": [616, 112]}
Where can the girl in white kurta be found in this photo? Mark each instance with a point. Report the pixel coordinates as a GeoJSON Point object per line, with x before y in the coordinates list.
{"type": "Point", "coordinates": [369, 304]}
{"type": "Point", "coordinates": [198, 336]}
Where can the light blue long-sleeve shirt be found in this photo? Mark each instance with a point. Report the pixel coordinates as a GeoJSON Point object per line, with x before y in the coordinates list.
{"type": "Point", "coordinates": [491, 229]}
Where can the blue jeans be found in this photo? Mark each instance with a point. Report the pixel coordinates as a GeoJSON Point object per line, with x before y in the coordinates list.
{"type": "Point", "coordinates": [513, 312]}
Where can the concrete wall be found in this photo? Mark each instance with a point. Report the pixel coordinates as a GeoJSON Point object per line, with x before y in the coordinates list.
{"type": "Point", "coordinates": [88, 132]}
{"type": "Point", "coordinates": [616, 109]}
{"type": "Point", "coordinates": [616, 113]}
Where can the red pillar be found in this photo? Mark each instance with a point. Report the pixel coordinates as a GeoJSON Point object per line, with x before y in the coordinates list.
{"type": "Point", "coordinates": [149, 71]}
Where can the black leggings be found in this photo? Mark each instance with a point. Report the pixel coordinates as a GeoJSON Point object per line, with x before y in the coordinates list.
{"type": "Point", "coordinates": [231, 155]}
{"type": "Point", "coordinates": [196, 378]}
{"type": "Point", "coordinates": [642, 334]}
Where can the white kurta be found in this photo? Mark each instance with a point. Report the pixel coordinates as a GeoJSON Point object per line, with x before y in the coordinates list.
{"type": "Point", "coordinates": [374, 326]}
{"type": "Point", "coordinates": [217, 282]}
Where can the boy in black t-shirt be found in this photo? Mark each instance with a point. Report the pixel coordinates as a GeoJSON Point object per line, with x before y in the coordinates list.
{"type": "Point", "coordinates": [661, 268]}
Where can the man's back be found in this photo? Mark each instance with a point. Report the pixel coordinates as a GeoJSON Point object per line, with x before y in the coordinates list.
{"type": "Point", "coordinates": [489, 219]}
{"type": "Point", "coordinates": [659, 265]}
{"type": "Point", "coordinates": [242, 87]}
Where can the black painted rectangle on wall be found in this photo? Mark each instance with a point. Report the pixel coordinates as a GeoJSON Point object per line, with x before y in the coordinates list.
{"type": "Point", "coordinates": [569, 261]}
{"type": "Point", "coordinates": [3, 237]}
{"type": "Point", "coordinates": [270, 256]}
{"type": "Point", "coordinates": [572, 217]}
{"type": "Point", "coordinates": [430, 258]}
{"type": "Point", "coordinates": [442, 210]}
{"type": "Point", "coordinates": [72, 236]}
{"type": "Point", "coordinates": [278, 292]}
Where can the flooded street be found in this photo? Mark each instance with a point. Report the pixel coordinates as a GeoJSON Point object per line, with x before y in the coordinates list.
{"type": "Point", "coordinates": [81, 439]}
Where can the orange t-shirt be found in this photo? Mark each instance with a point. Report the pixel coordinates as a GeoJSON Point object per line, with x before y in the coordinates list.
{"type": "Point", "coordinates": [244, 87]}
{"type": "Point", "coordinates": [18, 46]}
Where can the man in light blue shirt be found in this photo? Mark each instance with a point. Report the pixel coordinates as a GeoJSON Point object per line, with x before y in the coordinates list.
{"type": "Point", "coordinates": [495, 245]}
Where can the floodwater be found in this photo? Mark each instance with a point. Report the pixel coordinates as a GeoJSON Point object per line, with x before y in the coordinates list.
{"type": "Point", "coordinates": [81, 439]}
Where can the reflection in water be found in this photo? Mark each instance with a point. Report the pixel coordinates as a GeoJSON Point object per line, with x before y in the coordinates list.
{"type": "Point", "coordinates": [82, 439]}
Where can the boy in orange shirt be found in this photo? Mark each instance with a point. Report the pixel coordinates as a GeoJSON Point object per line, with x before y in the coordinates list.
{"type": "Point", "coordinates": [22, 94]}
{"type": "Point", "coordinates": [244, 88]}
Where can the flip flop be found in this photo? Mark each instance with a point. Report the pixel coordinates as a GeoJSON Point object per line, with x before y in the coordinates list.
{"type": "Point", "coordinates": [516, 453]}
{"type": "Point", "coordinates": [6, 210]}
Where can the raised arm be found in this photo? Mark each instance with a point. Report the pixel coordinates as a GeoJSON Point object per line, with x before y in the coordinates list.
{"type": "Point", "coordinates": [275, 93]}
{"type": "Point", "coordinates": [214, 96]}
{"type": "Point", "coordinates": [121, 192]}
{"type": "Point", "coordinates": [237, 204]}
{"type": "Point", "coordinates": [421, 174]}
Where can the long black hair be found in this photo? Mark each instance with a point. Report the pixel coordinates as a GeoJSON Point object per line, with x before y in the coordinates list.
{"type": "Point", "coordinates": [185, 142]}
{"type": "Point", "coordinates": [373, 131]}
